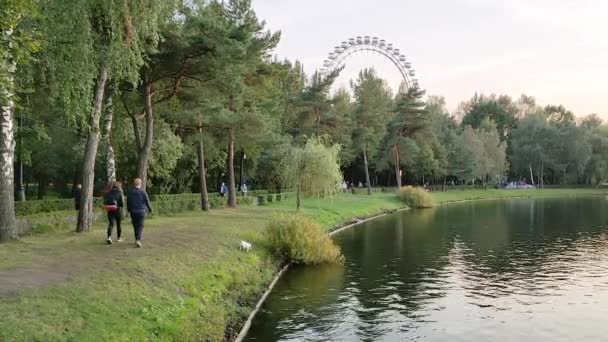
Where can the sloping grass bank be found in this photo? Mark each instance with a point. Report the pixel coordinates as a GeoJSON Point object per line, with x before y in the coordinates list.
{"type": "Point", "coordinates": [189, 282]}
{"type": "Point", "coordinates": [469, 195]}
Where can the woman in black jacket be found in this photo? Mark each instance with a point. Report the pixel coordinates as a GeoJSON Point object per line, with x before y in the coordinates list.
{"type": "Point", "coordinates": [113, 203]}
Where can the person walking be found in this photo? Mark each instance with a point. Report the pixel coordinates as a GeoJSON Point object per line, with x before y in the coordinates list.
{"type": "Point", "coordinates": [77, 196]}
{"type": "Point", "coordinates": [138, 203]}
{"type": "Point", "coordinates": [113, 203]}
{"type": "Point", "coordinates": [223, 189]}
{"type": "Point", "coordinates": [244, 189]}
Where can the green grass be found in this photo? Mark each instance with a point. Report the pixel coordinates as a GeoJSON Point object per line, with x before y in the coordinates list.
{"type": "Point", "coordinates": [467, 195]}
{"type": "Point", "coordinates": [189, 282]}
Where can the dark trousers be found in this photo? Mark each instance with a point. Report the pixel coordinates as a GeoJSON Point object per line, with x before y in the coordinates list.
{"type": "Point", "coordinates": [114, 218]}
{"type": "Point", "coordinates": [137, 219]}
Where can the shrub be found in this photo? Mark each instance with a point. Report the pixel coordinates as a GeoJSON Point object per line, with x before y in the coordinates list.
{"type": "Point", "coordinates": [176, 206]}
{"type": "Point", "coordinates": [262, 199]}
{"type": "Point", "coordinates": [217, 202]}
{"type": "Point", "coordinates": [278, 197]}
{"type": "Point", "coordinates": [361, 191]}
{"type": "Point", "coordinates": [295, 238]}
{"type": "Point", "coordinates": [257, 192]}
{"type": "Point", "coordinates": [415, 197]}
{"type": "Point", "coordinates": [270, 198]}
{"type": "Point", "coordinates": [245, 200]}
{"type": "Point", "coordinates": [57, 221]}
{"type": "Point", "coordinates": [47, 206]}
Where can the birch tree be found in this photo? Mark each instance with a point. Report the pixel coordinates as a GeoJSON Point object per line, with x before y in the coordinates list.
{"type": "Point", "coordinates": [91, 41]}
{"type": "Point", "coordinates": [16, 45]}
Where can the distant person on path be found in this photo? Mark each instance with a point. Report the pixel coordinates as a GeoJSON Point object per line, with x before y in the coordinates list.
{"type": "Point", "coordinates": [360, 184]}
{"type": "Point", "coordinates": [223, 189]}
{"type": "Point", "coordinates": [244, 189]}
{"type": "Point", "coordinates": [77, 196]}
{"type": "Point", "coordinates": [138, 204]}
{"type": "Point", "coordinates": [113, 203]}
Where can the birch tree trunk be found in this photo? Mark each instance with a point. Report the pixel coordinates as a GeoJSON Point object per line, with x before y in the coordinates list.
{"type": "Point", "coordinates": [146, 148]}
{"type": "Point", "coordinates": [397, 164]}
{"type": "Point", "coordinates": [531, 175]}
{"type": "Point", "coordinates": [202, 173]}
{"type": "Point", "coordinates": [7, 147]}
{"type": "Point", "coordinates": [108, 116]}
{"type": "Point", "coordinates": [369, 186]}
{"type": "Point", "coordinates": [231, 180]}
{"type": "Point", "coordinates": [85, 214]}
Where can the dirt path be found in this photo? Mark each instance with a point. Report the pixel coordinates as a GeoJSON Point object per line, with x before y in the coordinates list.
{"type": "Point", "coordinates": [50, 259]}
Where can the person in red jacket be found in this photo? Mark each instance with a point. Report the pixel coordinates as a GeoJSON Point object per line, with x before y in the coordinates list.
{"type": "Point", "coordinates": [113, 203]}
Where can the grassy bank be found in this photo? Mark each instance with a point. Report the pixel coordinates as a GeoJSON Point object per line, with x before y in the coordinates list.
{"type": "Point", "coordinates": [189, 282]}
{"type": "Point", "coordinates": [468, 195]}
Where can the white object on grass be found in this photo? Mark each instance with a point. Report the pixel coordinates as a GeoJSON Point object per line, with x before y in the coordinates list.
{"type": "Point", "coordinates": [245, 246]}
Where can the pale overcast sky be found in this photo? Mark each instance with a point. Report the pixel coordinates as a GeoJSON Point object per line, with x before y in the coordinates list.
{"type": "Point", "coordinates": [554, 50]}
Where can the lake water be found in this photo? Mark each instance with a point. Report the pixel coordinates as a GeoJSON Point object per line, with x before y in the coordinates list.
{"type": "Point", "coordinates": [512, 270]}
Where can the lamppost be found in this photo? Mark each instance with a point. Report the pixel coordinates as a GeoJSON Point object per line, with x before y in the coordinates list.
{"type": "Point", "coordinates": [243, 158]}
{"type": "Point", "coordinates": [20, 188]}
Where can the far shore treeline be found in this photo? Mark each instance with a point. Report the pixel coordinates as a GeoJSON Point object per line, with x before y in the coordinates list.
{"type": "Point", "coordinates": [187, 96]}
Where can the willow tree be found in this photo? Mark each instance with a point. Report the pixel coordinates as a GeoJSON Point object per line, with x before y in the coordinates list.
{"type": "Point", "coordinates": [313, 170]}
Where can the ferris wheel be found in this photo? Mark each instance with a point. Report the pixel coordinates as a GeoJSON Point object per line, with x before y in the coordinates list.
{"type": "Point", "coordinates": [337, 58]}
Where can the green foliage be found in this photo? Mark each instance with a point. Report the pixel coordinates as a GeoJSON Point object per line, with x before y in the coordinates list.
{"type": "Point", "coordinates": [499, 109]}
{"type": "Point", "coordinates": [47, 206]}
{"type": "Point", "coordinates": [313, 169]}
{"type": "Point", "coordinates": [176, 206]}
{"type": "Point", "coordinates": [415, 197]}
{"type": "Point", "coordinates": [51, 222]}
{"type": "Point", "coordinates": [297, 239]}
{"type": "Point", "coordinates": [165, 155]}
{"type": "Point", "coordinates": [245, 200]}
{"type": "Point", "coordinates": [217, 202]}
{"type": "Point", "coordinates": [262, 200]}
{"type": "Point", "coordinates": [372, 108]}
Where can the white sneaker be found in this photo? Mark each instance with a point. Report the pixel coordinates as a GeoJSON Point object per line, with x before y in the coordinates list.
{"type": "Point", "coordinates": [109, 241]}
{"type": "Point", "coordinates": [138, 244]}
{"type": "Point", "coordinates": [119, 240]}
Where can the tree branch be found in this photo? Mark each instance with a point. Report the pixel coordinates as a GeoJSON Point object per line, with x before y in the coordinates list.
{"type": "Point", "coordinates": [135, 124]}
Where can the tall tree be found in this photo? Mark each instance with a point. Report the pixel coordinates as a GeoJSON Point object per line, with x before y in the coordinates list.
{"type": "Point", "coordinates": [372, 106]}
{"type": "Point", "coordinates": [531, 142]}
{"type": "Point", "coordinates": [409, 119]}
{"type": "Point", "coordinates": [109, 38]}
{"type": "Point", "coordinates": [108, 117]}
{"type": "Point", "coordinates": [500, 109]}
{"type": "Point", "coordinates": [249, 44]}
{"type": "Point", "coordinates": [338, 124]}
{"type": "Point", "coordinates": [17, 44]}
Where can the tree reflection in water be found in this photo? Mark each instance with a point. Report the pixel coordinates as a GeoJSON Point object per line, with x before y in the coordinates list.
{"type": "Point", "coordinates": [472, 271]}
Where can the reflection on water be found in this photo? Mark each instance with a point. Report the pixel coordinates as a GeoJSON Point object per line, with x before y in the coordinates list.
{"type": "Point", "coordinates": [516, 270]}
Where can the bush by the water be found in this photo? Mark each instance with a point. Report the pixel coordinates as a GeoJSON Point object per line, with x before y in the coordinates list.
{"type": "Point", "coordinates": [295, 238]}
{"type": "Point", "coordinates": [415, 197]}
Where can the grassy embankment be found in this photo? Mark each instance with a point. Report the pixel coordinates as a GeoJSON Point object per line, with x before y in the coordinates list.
{"type": "Point", "coordinates": [189, 282]}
